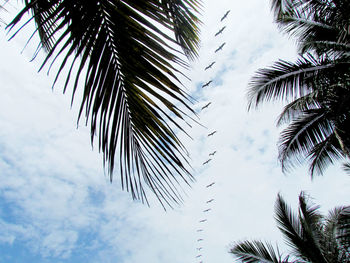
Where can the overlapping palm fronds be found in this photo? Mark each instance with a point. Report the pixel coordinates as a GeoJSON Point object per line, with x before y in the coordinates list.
{"type": "Point", "coordinates": [316, 87]}
{"type": "Point", "coordinates": [126, 61]}
{"type": "Point", "coordinates": [310, 236]}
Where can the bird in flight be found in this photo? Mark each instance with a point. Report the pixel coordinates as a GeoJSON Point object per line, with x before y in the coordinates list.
{"type": "Point", "coordinates": [208, 67]}
{"type": "Point", "coordinates": [221, 46]}
{"type": "Point", "coordinates": [207, 161]}
{"type": "Point", "coordinates": [199, 230]}
{"type": "Point", "coordinates": [202, 221]}
{"type": "Point", "coordinates": [212, 133]}
{"type": "Point", "coordinates": [206, 210]}
{"type": "Point", "coordinates": [212, 154]}
{"type": "Point", "coordinates": [207, 84]}
{"type": "Point", "coordinates": [220, 31]}
{"type": "Point", "coordinates": [201, 239]}
{"type": "Point", "coordinates": [225, 15]}
{"type": "Point", "coordinates": [209, 201]}
{"type": "Point", "coordinates": [209, 185]}
{"type": "Point", "coordinates": [206, 106]}
{"type": "Point", "coordinates": [198, 256]}
{"type": "Point", "coordinates": [199, 248]}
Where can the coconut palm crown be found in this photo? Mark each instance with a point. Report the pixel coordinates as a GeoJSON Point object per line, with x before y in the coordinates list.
{"type": "Point", "coordinates": [127, 56]}
{"type": "Point", "coordinates": [311, 237]}
{"type": "Point", "coordinates": [316, 87]}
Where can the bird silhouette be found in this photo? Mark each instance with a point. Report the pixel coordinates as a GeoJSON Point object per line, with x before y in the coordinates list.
{"type": "Point", "coordinates": [206, 106]}
{"type": "Point", "coordinates": [201, 239]}
{"type": "Point", "coordinates": [209, 185]}
{"type": "Point", "coordinates": [211, 134]}
{"type": "Point", "coordinates": [221, 46]}
{"type": "Point", "coordinates": [206, 210]}
{"type": "Point", "coordinates": [199, 230]}
{"type": "Point", "coordinates": [207, 84]}
{"type": "Point", "coordinates": [225, 15]}
{"type": "Point", "coordinates": [198, 256]}
{"type": "Point", "coordinates": [207, 161]}
{"type": "Point", "coordinates": [212, 154]}
{"type": "Point", "coordinates": [220, 31]}
{"type": "Point", "coordinates": [209, 201]}
{"type": "Point", "coordinates": [208, 67]}
{"type": "Point", "coordinates": [199, 248]}
{"type": "Point", "coordinates": [203, 220]}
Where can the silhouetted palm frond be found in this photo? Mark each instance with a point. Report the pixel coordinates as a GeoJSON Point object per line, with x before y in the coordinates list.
{"type": "Point", "coordinates": [310, 236]}
{"type": "Point", "coordinates": [120, 53]}
{"type": "Point", "coordinates": [255, 252]}
{"type": "Point", "coordinates": [316, 87]}
{"type": "Point", "coordinates": [286, 80]}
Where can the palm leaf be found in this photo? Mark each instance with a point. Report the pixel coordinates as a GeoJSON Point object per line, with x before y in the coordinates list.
{"type": "Point", "coordinates": [343, 233]}
{"type": "Point", "coordinates": [289, 224]}
{"type": "Point", "coordinates": [300, 137]}
{"type": "Point", "coordinates": [285, 80]}
{"type": "Point", "coordinates": [131, 91]}
{"type": "Point", "coordinates": [296, 108]}
{"type": "Point", "coordinates": [296, 230]}
{"type": "Point", "coordinates": [346, 167]}
{"type": "Point", "coordinates": [254, 252]}
{"type": "Point", "coordinates": [312, 224]}
{"type": "Point", "coordinates": [323, 154]}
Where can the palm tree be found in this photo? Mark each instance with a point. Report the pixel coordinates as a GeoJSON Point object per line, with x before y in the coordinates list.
{"type": "Point", "coordinates": [316, 87]}
{"type": "Point", "coordinates": [310, 236]}
{"type": "Point", "coordinates": [127, 56]}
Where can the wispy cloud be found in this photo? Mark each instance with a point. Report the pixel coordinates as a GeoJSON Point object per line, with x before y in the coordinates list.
{"type": "Point", "coordinates": [57, 202]}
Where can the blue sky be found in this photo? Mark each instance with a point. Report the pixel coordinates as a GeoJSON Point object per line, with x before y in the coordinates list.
{"type": "Point", "coordinates": [56, 202]}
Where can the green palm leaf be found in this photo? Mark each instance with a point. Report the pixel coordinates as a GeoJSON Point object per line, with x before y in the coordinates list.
{"type": "Point", "coordinates": [131, 88]}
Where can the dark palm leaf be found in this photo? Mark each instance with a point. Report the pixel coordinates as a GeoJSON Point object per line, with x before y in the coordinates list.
{"type": "Point", "coordinates": [255, 252]}
{"type": "Point", "coordinates": [312, 224]}
{"type": "Point", "coordinates": [311, 236]}
{"type": "Point", "coordinates": [285, 80]}
{"type": "Point", "coordinates": [289, 225]}
{"type": "Point", "coordinates": [300, 137]}
{"type": "Point", "coordinates": [346, 167]}
{"type": "Point", "coordinates": [131, 90]}
{"type": "Point", "coordinates": [343, 234]}
{"type": "Point", "coordinates": [323, 154]}
{"type": "Point", "coordinates": [313, 21]}
{"type": "Point", "coordinates": [296, 108]}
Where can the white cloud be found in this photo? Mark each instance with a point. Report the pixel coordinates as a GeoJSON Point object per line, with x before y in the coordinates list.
{"type": "Point", "coordinates": [62, 200]}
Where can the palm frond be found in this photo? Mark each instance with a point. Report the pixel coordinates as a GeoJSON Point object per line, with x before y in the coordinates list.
{"type": "Point", "coordinates": [331, 48]}
{"type": "Point", "coordinates": [289, 224]}
{"type": "Point", "coordinates": [343, 227]}
{"type": "Point", "coordinates": [185, 24]}
{"type": "Point", "coordinates": [346, 167]}
{"type": "Point", "coordinates": [311, 236]}
{"type": "Point", "coordinates": [296, 108]}
{"type": "Point", "coordinates": [305, 28]}
{"type": "Point", "coordinates": [297, 231]}
{"type": "Point", "coordinates": [323, 154]}
{"type": "Point", "coordinates": [255, 252]}
{"type": "Point", "coordinates": [285, 80]}
{"type": "Point", "coordinates": [301, 136]}
{"type": "Point", "coordinates": [337, 239]}
{"type": "Point", "coordinates": [131, 92]}
{"type": "Point", "coordinates": [312, 225]}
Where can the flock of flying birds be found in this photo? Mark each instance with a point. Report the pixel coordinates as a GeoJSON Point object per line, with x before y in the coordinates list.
{"type": "Point", "coordinates": [202, 221]}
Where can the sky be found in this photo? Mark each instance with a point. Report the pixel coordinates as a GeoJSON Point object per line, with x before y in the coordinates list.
{"type": "Point", "coordinates": [56, 202]}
